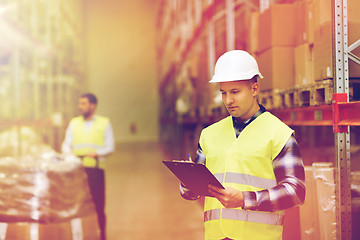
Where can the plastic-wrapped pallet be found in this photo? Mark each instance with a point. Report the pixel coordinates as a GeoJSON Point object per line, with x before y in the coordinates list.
{"type": "Point", "coordinates": [326, 204]}
{"type": "Point", "coordinates": [43, 195]}
{"type": "Point", "coordinates": [45, 192]}
{"type": "Point", "coordinates": [23, 141]}
{"type": "Point", "coordinates": [309, 223]}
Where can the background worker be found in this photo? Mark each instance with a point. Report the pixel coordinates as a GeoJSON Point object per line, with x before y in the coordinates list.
{"type": "Point", "coordinates": [253, 154]}
{"type": "Point", "coordinates": [90, 136]}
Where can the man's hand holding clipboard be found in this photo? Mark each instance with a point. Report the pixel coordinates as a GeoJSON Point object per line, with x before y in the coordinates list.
{"type": "Point", "coordinates": [194, 176]}
{"type": "Point", "coordinates": [201, 181]}
{"type": "Point", "coordinates": [229, 197]}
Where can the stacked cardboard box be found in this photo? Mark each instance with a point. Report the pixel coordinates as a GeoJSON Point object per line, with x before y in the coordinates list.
{"type": "Point", "coordinates": [323, 52]}
{"type": "Point", "coordinates": [308, 211]}
{"type": "Point", "coordinates": [220, 28]}
{"type": "Point", "coordinates": [323, 47]}
{"type": "Point", "coordinates": [277, 66]}
{"type": "Point", "coordinates": [304, 65]}
{"type": "Point", "coordinates": [294, 42]}
{"type": "Point", "coordinates": [252, 40]}
{"type": "Point", "coordinates": [277, 27]}
{"type": "Point", "coordinates": [304, 56]}
{"type": "Point", "coordinates": [290, 29]}
{"type": "Point", "coordinates": [304, 22]}
{"type": "Point", "coordinates": [276, 41]}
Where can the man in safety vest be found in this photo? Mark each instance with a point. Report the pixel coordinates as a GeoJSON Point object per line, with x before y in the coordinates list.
{"type": "Point", "coordinates": [253, 154]}
{"type": "Point", "coordinates": [90, 137]}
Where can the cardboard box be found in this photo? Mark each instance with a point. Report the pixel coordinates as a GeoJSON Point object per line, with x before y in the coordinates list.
{"type": "Point", "coordinates": [325, 191]}
{"type": "Point", "coordinates": [323, 12]}
{"type": "Point", "coordinates": [311, 21]}
{"type": "Point", "coordinates": [309, 220]}
{"type": "Point", "coordinates": [241, 26]}
{"type": "Point", "coordinates": [278, 68]}
{"type": "Point", "coordinates": [304, 23]}
{"type": "Point", "coordinates": [277, 26]}
{"type": "Point", "coordinates": [353, 10]}
{"type": "Point", "coordinates": [253, 36]}
{"type": "Point", "coordinates": [304, 65]}
{"type": "Point", "coordinates": [323, 51]}
{"type": "Point", "coordinates": [301, 35]}
{"type": "Point", "coordinates": [220, 36]}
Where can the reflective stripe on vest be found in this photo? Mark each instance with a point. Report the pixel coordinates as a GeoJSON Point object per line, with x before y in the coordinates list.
{"type": "Point", "coordinates": [241, 215]}
{"type": "Point", "coordinates": [86, 145]}
{"type": "Point", "coordinates": [246, 179]}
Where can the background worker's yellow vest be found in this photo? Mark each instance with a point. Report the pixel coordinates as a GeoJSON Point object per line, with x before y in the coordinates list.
{"type": "Point", "coordinates": [243, 163]}
{"type": "Point", "coordinates": [88, 142]}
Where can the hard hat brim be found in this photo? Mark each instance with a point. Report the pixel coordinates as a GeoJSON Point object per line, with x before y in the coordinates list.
{"type": "Point", "coordinates": [233, 78]}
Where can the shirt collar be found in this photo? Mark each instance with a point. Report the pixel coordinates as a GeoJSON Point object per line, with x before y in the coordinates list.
{"type": "Point", "coordinates": [242, 125]}
{"type": "Point", "coordinates": [90, 120]}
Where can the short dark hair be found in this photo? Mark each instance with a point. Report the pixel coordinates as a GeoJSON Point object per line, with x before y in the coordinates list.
{"type": "Point", "coordinates": [253, 80]}
{"type": "Point", "coordinates": [91, 97]}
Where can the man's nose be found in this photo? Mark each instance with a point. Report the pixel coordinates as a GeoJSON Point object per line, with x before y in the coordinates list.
{"type": "Point", "coordinates": [228, 99]}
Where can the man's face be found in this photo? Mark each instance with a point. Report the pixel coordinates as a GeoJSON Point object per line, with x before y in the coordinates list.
{"type": "Point", "coordinates": [85, 107]}
{"type": "Point", "coordinates": [239, 98]}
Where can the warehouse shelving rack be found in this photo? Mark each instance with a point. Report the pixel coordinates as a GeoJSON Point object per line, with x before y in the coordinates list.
{"type": "Point", "coordinates": [41, 65]}
{"type": "Point", "coordinates": [341, 114]}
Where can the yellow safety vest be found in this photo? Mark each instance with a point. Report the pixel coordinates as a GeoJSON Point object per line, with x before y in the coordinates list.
{"type": "Point", "coordinates": [243, 163]}
{"type": "Point", "coordinates": [88, 142]}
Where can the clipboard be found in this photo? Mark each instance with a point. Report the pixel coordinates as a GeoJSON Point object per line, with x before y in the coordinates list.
{"type": "Point", "coordinates": [195, 176]}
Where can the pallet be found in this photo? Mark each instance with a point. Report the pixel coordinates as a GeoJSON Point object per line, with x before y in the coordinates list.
{"type": "Point", "coordinates": [271, 99]}
{"type": "Point", "coordinates": [290, 97]}
{"type": "Point", "coordinates": [315, 94]}
{"type": "Point", "coordinates": [354, 90]}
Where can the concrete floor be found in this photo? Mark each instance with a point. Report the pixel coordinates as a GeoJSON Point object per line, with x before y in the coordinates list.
{"type": "Point", "coordinates": [143, 201]}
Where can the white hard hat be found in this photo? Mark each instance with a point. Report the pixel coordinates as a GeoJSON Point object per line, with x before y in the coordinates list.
{"type": "Point", "coordinates": [235, 65]}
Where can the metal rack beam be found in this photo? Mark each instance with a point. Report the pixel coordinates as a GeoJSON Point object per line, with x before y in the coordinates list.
{"type": "Point", "coordinates": [352, 56]}
{"type": "Point", "coordinates": [309, 116]}
{"type": "Point", "coordinates": [340, 114]}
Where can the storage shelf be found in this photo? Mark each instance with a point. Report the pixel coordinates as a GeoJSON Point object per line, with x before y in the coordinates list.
{"type": "Point", "coordinates": [350, 114]}
{"type": "Point", "coordinates": [42, 65]}
{"type": "Point", "coordinates": [30, 123]}
{"type": "Point", "coordinates": [306, 116]}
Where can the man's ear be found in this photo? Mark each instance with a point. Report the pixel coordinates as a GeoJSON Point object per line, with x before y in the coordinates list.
{"type": "Point", "coordinates": [93, 106]}
{"type": "Point", "coordinates": [255, 89]}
